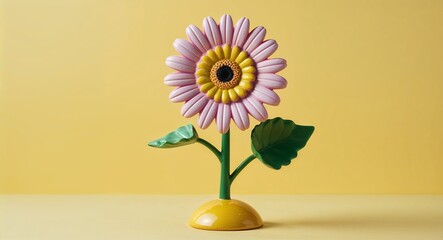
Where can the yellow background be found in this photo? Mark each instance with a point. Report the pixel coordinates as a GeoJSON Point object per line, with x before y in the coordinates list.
{"type": "Point", "coordinates": [81, 93]}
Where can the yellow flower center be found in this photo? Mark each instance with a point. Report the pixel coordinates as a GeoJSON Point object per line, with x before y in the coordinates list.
{"type": "Point", "coordinates": [226, 74]}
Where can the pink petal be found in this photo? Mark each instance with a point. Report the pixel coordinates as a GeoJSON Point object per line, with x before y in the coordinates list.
{"type": "Point", "coordinates": [179, 79]}
{"type": "Point", "coordinates": [184, 93]}
{"type": "Point", "coordinates": [265, 95]}
{"type": "Point", "coordinates": [271, 65]}
{"type": "Point", "coordinates": [195, 105]}
{"type": "Point", "coordinates": [226, 29]}
{"type": "Point", "coordinates": [208, 114]}
{"type": "Point", "coordinates": [212, 31]}
{"type": "Point", "coordinates": [240, 115]}
{"type": "Point", "coordinates": [241, 32]}
{"type": "Point", "coordinates": [255, 108]}
{"type": "Point", "coordinates": [181, 64]}
{"type": "Point", "coordinates": [263, 51]}
{"type": "Point", "coordinates": [187, 49]}
{"type": "Point", "coordinates": [223, 117]}
{"type": "Point", "coordinates": [255, 38]}
{"type": "Point", "coordinates": [198, 38]}
{"type": "Point", "coordinates": [271, 81]}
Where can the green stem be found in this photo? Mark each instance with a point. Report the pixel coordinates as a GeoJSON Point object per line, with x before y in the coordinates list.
{"type": "Point", "coordinates": [210, 147]}
{"type": "Point", "coordinates": [225, 180]}
{"type": "Point", "coordinates": [241, 167]}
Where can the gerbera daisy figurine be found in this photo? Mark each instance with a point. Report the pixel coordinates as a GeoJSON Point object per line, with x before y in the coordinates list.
{"type": "Point", "coordinates": [223, 73]}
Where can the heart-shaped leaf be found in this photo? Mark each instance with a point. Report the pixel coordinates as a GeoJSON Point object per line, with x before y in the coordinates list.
{"type": "Point", "coordinates": [276, 141]}
{"type": "Point", "coordinates": [182, 136]}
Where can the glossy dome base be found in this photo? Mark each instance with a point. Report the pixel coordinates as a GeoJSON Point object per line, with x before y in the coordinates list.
{"type": "Point", "coordinates": [225, 215]}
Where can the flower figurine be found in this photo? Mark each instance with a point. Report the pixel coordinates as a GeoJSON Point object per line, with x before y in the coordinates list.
{"type": "Point", "coordinates": [225, 72]}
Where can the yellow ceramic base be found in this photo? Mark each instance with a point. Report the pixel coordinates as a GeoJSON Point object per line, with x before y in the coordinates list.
{"type": "Point", "coordinates": [225, 215]}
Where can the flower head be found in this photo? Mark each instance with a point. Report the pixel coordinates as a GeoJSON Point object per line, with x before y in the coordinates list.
{"type": "Point", "coordinates": [224, 72]}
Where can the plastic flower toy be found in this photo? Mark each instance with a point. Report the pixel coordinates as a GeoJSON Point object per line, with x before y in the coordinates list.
{"type": "Point", "coordinates": [224, 72]}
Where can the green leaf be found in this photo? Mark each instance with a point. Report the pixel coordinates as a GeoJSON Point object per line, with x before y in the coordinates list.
{"type": "Point", "coordinates": [276, 141]}
{"type": "Point", "coordinates": [182, 136]}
